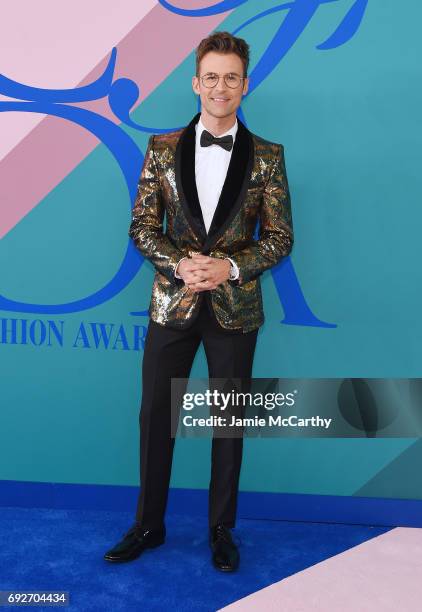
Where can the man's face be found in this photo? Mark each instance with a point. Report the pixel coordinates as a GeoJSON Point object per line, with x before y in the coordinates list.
{"type": "Point", "coordinates": [220, 101]}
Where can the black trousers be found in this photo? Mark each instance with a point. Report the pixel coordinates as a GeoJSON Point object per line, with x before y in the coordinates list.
{"type": "Point", "coordinates": [170, 353]}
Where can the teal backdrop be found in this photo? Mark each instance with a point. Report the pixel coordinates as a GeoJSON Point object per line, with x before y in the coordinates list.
{"type": "Point", "coordinates": [349, 119]}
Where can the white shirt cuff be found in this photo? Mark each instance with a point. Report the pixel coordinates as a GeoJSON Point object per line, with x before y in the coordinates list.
{"type": "Point", "coordinates": [234, 272]}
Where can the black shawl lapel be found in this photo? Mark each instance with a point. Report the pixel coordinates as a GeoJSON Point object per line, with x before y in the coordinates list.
{"type": "Point", "coordinates": [234, 189]}
{"type": "Point", "coordinates": [235, 186]}
{"type": "Point", "coordinates": [185, 179]}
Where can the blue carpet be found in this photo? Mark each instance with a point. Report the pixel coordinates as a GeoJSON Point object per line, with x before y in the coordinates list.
{"type": "Point", "coordinates": [50, 549]}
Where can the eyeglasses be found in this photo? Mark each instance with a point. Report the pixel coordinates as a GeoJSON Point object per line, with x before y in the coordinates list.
{"type": "Point", "coordinates": [211, 79]}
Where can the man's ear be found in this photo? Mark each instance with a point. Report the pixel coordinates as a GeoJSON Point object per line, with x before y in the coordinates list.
{"type": "Point", "coordinates": [245, 86]}
{"type": "Point", "coordinates": [195, 84]}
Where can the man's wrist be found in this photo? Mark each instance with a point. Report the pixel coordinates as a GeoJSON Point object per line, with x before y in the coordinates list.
{"type": "Point", "coordinates": [175, 271]}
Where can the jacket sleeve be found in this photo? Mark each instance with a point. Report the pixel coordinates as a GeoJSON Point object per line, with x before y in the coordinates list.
{"type": "Point", "coordinates": [146, 228]}
{"type": "Point", "coordinates": [276, 228]}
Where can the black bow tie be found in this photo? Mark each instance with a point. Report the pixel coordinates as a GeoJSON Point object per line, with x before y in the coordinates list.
{"type": "Point", "coordinates": [208, 139]}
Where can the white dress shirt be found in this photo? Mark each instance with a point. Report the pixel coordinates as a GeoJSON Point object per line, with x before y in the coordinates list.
{"type": "Point", "coordinates": [211, 164]}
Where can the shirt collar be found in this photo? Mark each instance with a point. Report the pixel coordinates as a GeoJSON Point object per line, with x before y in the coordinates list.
{"type": "Point", "coordinates": [200, 127]}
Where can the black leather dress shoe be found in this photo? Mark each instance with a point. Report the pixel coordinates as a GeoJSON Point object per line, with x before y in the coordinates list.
{"type": "Point", "coordinates": [134, 542]}
{"type": "Point", "coordinates": [225, 555]}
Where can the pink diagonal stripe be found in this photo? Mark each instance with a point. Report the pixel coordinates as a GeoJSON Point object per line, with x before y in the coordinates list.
{"type": "Point", "coordinates": [381, 574]}
{"type": "Point", "coordinates": [148, 54]}
{"type": "Point", "coordinates": [52, 45]}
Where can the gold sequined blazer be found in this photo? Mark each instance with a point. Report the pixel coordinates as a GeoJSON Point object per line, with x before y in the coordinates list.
{"type": "Point", "coordinates": [255, 188]}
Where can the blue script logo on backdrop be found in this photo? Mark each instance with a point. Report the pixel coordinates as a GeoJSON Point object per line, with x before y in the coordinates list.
{"type": "Point", "coordinates": [122, 95]}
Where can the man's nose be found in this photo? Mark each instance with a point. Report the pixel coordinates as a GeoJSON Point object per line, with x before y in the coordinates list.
{"type": "Point", "coordinates": [220, 88]}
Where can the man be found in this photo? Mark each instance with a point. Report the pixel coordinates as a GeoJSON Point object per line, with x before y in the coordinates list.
{"type": "Point", "coordinates": [214, 180]}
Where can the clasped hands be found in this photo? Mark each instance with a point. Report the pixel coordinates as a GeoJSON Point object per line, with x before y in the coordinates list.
{"type": "Point", "coordinates": [203, 273]}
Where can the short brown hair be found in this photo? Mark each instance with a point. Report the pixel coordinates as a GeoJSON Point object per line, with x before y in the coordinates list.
{"type": "Point", "coordinates": [223, 42]}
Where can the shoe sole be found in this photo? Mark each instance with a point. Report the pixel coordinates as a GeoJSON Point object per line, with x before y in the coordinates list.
{"type": "Point", "coordinates": [225, 569]}
{"type": "Point", "coordinates": [136, 556]}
